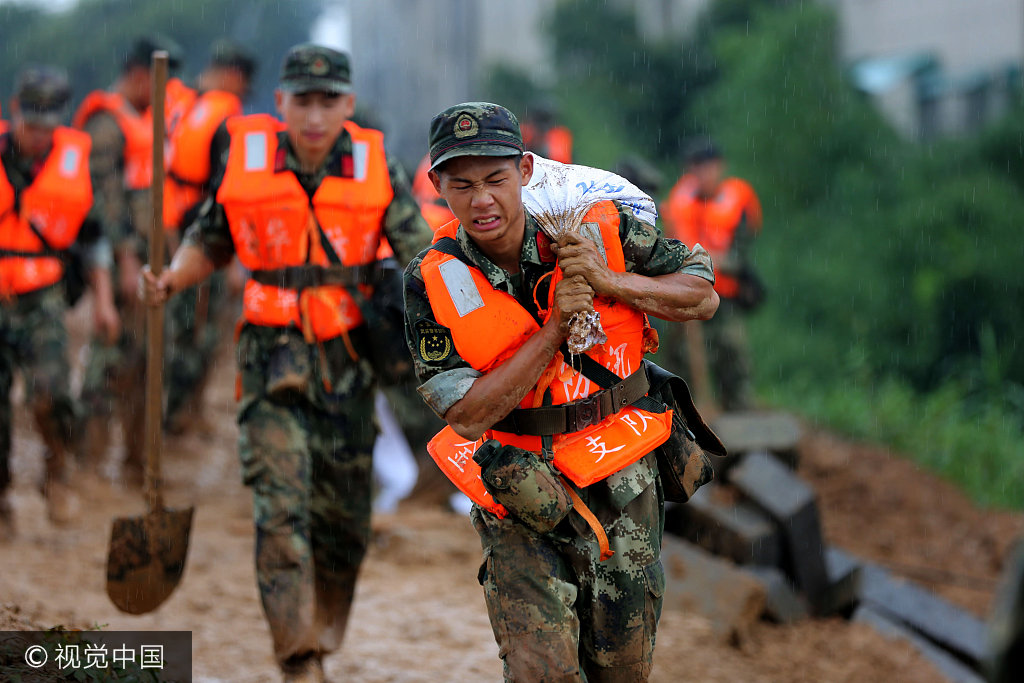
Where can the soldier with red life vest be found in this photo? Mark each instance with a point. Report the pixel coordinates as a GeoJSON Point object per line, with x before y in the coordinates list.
{"type": "Point", "coordinates": [487, 313]}
{"type": "Point", "coordinates": [196, 142]}
{"type": "Point", "coordinates": [724, 216]}
{"type": "Point", "coordinates": [46, 211]}
{"type": "Point", "coordinates": [305, 205]}
{"type": "Point", "coordinates": [121, 129]}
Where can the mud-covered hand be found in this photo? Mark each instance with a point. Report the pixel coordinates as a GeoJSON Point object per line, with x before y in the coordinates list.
{"type": "Point", "coordinates": [154, 290]}
{"type": "Point", "coordinates": [572, 295]}
{"type": "Point", "coordinates": [578, 256]}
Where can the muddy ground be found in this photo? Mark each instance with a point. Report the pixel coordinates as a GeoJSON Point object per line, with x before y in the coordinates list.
{"type": "Point", "coordinates": [419, 613]}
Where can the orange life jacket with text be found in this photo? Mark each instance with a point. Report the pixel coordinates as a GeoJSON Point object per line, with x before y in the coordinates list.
{"type": "Point", "coordinates": [712, 222]}
{"type": "Point", "coordinates": [274, 224]}
{"type": "Point", "coordinates": [188, 153]}
{"type": "Point", "coordinates": [488, 326]}
{"type": "Point", "coordinates": [56, 203]}
{"type": "Point", "coordinates": [136, 129]}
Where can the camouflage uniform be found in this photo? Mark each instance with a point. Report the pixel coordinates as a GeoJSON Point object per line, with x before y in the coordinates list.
{"type": "Point", "coordinates": [308, 460]}
{"type": "Point", "coordinates": [114, 379]}
{"type": "Point", "coordinates": [557, 612]}
{"type": "Point", "coordinates": [33, 339]}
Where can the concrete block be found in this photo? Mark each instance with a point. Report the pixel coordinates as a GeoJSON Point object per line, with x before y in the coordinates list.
{"type": "Point", "coordinates": [939, 621]}
{"type": "Point", "coordinates": [947, 664]}
{"type": "Point", "coordinates": [744, 432]}
{"type": "Point", "coordinates": [844, 577]}
{"type": "Point", "coordinates": [791, 503]}
{"type": "Point", "coordinates": [698, 582]}
{"type": "Point", "coordinates": [783, 604]}
{"type": "Point", "coordinates": [735, 530]}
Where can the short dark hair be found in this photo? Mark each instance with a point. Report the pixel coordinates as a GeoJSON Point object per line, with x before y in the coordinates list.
{"type": "Point", "coordinates": [231, 55]}
{"type": "Point", "coordinates": [702, 149]}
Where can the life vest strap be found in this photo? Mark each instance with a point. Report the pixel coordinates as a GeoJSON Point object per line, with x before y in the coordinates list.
{"type": "Point", "coordinates": [591, 520]}
{"type": "Point", "coordinates": [576, 416]}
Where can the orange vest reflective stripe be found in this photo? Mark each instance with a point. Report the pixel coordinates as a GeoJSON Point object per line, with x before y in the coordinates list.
{"type": "Point", "coordinates": [188, 154]}
{"type": "Point", "coordinates": [273, 227]}
{"type": "Point", "coordinates": [138, 134]}
{"type": "Point", "coordinates": [488, 326]}
{"type": "Point", "coordinates": [56, 203]}
{"type": "Point", "coordinates": [713, 222]}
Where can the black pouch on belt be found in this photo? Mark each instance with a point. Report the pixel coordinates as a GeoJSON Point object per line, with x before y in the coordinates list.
{"type": "Point", "coordinates": [289, 367]}
{"type": "Point", "coordinates": [525, 483]}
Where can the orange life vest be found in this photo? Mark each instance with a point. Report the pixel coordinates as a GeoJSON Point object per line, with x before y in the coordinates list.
{"type": "Point", "coordinates": [188, 153]}
{"type": "Point", "coordinates": [178, 101]}
{"type": "Point", "coordinates": [436, 215]}
{"type": "Point", "coordinates": [273, 225]}
{"type": "Point", "coordinates": [56, 203]}
{"type": "Point", "coordinates": [488, 326]}
{"type": "Point", "coordinates": [137, 132]}
{"type": "Point", "coordinates": [555, 144]}
{"type": "Point", "coordinates": [712, 222]}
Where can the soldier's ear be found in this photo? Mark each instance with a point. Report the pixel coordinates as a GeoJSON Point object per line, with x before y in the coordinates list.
{"type": "Point", "coordinates": [526, 168]}
{"type": "Point", "coordinates": [278, 101]}
{"type": "Point", "coordinates": [348, 101]}
{"type": "Point", "coordinates": [435, 180]}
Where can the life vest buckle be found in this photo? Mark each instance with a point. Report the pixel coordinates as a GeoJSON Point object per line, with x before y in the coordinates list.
{"type": "Point", "coordinates": [584, 413]}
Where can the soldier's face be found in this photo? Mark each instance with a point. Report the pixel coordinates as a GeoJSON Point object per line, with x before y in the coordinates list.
{"type": "Point", "coordinates": [709, 176]}
{"type": "Point", "coordinates": [314, 119]}
{"type": "Point", "coordinates": [32, 139]}
{"type": "Point", "coordinates": [485, 194]}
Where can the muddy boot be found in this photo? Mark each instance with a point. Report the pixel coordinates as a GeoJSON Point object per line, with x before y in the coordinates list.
{"type": "Point", "coordinates": [7, 531]}
{"type": "Point", "coordinates": [307, 669]}
{"type": "Point", "coordinates": [61, 500]}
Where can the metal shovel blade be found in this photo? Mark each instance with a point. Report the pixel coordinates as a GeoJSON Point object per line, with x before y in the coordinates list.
{"type": "Point", "coordinates": [147, 558]}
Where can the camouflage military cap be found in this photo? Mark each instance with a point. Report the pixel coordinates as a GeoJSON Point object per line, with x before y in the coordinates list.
{"type": "Point", "coordinates": [702, 149]}
{"type": "Point", "coordinates": [43, 94]}
{"type": "Point", "coordinates": [315, 68]}
{"type": "Point", "coordinates": [474, 129]}
{"type": "Point", "coordinates": [227, 53]}
{"type": "Point", "coordinates": [140, 53]}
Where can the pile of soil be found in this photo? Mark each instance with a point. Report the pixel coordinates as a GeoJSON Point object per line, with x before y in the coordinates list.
{"type": "Point", "coordinates": [419, 612]}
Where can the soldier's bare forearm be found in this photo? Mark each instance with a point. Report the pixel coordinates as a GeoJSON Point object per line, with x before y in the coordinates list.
{"type": "Point", "coordinates": [677, 297]}
{"type": "Point", "coordinates": [498, 392]}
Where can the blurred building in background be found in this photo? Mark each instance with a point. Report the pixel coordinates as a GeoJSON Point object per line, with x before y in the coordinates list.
{"type": "Point", "coordinates": [411, 59]}
{"type": "Point", "coordinates": [936, 68]}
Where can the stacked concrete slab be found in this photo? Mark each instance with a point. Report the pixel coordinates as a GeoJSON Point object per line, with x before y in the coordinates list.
{"type": "Point", "coordinates": [759, 525]}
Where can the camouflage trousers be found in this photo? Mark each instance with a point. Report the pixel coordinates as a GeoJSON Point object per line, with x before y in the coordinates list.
{"type": "Point", "coordinates": [194, 328]}
{"type": "Point", "coordinates": [728, 354]}
{"type": "Point", "coordinates": [33, 339]}
{"type": "Point", "coordinates": [114, 382]}
{"type": "Point", "coordinates": [557, 611]}
{"type": "Point", "coordinates": [310, 470]}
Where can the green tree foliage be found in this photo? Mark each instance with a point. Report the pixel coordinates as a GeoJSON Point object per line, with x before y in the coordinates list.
{"type": "Point", "coordinates": [90, 39]}
{"type": "Point", "coordinates": [893, 267]}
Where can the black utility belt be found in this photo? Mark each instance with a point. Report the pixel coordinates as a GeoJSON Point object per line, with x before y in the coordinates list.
{"type": "Point", "coordinates": [576, 415]}
{"type": "Point", "coordinates": [311, 275]}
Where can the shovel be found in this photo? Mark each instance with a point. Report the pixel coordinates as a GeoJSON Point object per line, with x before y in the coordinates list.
{"type": "Point", "coordinates": [147, 553]}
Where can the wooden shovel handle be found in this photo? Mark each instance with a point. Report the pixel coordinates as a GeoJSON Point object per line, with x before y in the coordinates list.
{"type": "Point", "coordinates": [155, 314]}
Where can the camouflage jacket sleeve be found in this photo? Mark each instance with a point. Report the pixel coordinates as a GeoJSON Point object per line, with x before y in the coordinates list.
{"type": "Point", "coordinates": [446, 377]}
{"type": "Point", "coordinates": [404, 225]}
{"type": "Point", "coordinates": [115, 206]}
{"type": "Point", "coordinates": [648, 252]}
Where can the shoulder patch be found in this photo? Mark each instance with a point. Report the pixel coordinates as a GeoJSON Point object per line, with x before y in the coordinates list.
{"type": "Point", "coordinates": [434, 341]}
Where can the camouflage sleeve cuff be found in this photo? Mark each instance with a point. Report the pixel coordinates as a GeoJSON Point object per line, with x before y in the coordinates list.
{"type": "Point", "coordinates": [699, 263]}
{"type": "Point", "coordinates": [447, 388]}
